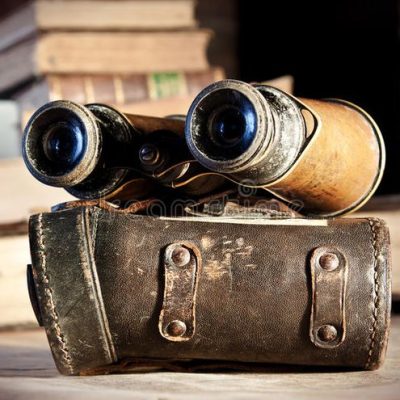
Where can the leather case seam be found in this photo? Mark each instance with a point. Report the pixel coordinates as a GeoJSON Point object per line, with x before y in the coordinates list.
{"type": "Point", "coordinates": [89, 235]}
{"type": "Point", "coordinates": [50, 301]}
{"type": "Point", "coordinates": [373, 223]}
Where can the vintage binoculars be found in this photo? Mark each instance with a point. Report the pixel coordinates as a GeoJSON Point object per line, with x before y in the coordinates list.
{"type": "Point", "coordinates": [326, 157]}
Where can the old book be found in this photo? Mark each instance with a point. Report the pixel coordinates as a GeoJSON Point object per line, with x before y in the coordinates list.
{"type": "Point", "coordinates": [14, 300]}
{"type": "Point", "coordinates": [159, 108]}
{"type": "Point", "coordinates": [105, 15]}
{"type": "Point", "coordinates": [116, 89]}
{"type": "Point", "coordinates": [155, 108]}
{"type": "Point", "coordinates": [104, 53]}
{"type": "Point", "coordinates": [167, 94]}
{"type": "Point", "coordinates": [9, 6]}
{"type": "Point", "coordinates": [9, 129]}
{"type": "Point", "coordinates": [180, 105]}
{"type": "Point", "coordinates": [22, 195]}
{"type": "Point", "coordinates": [222, 16]}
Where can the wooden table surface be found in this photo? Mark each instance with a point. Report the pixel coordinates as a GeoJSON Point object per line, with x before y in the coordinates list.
{"type": "Point", "coordinates": [27, 372]}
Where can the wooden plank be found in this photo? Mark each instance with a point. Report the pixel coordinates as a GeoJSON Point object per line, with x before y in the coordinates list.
{"type": "Point", "coordinates": [27, 371]}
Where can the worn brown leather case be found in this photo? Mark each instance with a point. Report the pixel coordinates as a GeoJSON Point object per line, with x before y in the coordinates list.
{"type": "Point", "coordinates": [115, 290]}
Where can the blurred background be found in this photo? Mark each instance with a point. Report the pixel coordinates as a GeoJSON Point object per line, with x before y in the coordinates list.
{"type": "Point", "coordinates": [153, 56]}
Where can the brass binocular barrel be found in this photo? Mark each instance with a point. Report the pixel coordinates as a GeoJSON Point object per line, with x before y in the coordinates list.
{"type": "Point", "coordinates": [326, 156]}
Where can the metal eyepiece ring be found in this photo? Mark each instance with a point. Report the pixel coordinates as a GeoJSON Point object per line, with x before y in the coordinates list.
{"type": "Point", "coordinates": [228, 124]}
{"type": "Point", "coordinates": [61, 143]}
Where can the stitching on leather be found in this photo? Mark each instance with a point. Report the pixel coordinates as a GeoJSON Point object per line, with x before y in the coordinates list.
{"type": "Point", "coordinates": [89, 227]}
{"type": "Point", "coordinates": [95, 212]}
{"type": "Point", "coordinates": [49, 295]}
{"type": "Point", "coordinates": [373, 224]}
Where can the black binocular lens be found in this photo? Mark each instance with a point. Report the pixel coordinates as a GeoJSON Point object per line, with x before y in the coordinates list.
{"type": "Point", "coordinates": [63, 144]}
{"type": "Point", "coordinates": [228, 126]}
{"type": "Point", "coordinates": [224, 124]}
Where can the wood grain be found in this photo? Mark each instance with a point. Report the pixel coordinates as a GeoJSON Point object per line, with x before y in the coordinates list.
{"type": "Point", "coordinates": [27, 371]}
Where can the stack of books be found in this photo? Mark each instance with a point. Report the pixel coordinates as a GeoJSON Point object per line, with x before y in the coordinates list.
{"type": "Point", "coordinates": [142, 56]}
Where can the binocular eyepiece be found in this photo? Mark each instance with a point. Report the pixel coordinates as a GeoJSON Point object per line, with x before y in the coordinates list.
{"type": "Point", "coordinates": [231, 126]}
{"type": "Point", "coordinates": [221, 127]}
{"type": "Point", "coordinates": [62, 143]}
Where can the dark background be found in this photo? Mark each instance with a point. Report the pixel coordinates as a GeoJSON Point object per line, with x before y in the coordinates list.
{"type": "Point", "coordinates": [347, 49]}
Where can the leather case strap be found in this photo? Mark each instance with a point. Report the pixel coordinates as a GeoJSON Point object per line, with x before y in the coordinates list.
{"type": "Point", "coordinates": [328, 268]}
{"type": "Point", "coordinates": [181, 263]}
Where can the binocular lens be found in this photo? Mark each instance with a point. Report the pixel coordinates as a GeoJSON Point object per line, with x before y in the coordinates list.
{"type": "Point", "coordinates": [228, 126]}
{"type": "Point", "coordinates": [63, 144]}
{"type": "Point", "coordinates": [221, 125]}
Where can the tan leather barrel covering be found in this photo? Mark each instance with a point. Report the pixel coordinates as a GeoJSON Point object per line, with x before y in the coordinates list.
{"type": "Point", "coordinates": [341, 166]}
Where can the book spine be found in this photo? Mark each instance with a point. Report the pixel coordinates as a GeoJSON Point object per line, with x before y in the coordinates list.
{"type": "Point", "coordinates": [126, 89]}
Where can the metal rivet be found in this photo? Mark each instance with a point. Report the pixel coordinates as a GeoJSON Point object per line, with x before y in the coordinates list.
{"type": "Point", "coordinates": [176, 328]}
{"type": "Point", "coordinates": [329, 261]}
{"type": "Point", "coordinates": [327, 333]}
{"type": "Point", "coordinates": [149, 154]}
{"type": "Point", "coordinates": [180, 256]}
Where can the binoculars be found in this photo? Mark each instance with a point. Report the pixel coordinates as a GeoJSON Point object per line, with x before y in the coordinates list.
{"type": "Point", "coordinates": [326, 155]}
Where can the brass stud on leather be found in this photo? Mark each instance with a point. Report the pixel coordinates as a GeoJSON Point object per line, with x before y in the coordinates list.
{"type": "Point", "coordinates": [329, 261]}
{"type": "Point", "coordinates": [176, 328]}
{"type": "Point", "coordinates": [180, 256]}
{"type": "Point", "coordinates": [327, 333]}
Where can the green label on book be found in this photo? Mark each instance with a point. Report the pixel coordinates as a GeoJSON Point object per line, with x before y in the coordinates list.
{"type": "Point", "coordinates": [168, 84]}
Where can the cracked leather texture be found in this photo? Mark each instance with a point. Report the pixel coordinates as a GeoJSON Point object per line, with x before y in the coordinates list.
{"type": "Point", "coordinates": [99, 281]}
